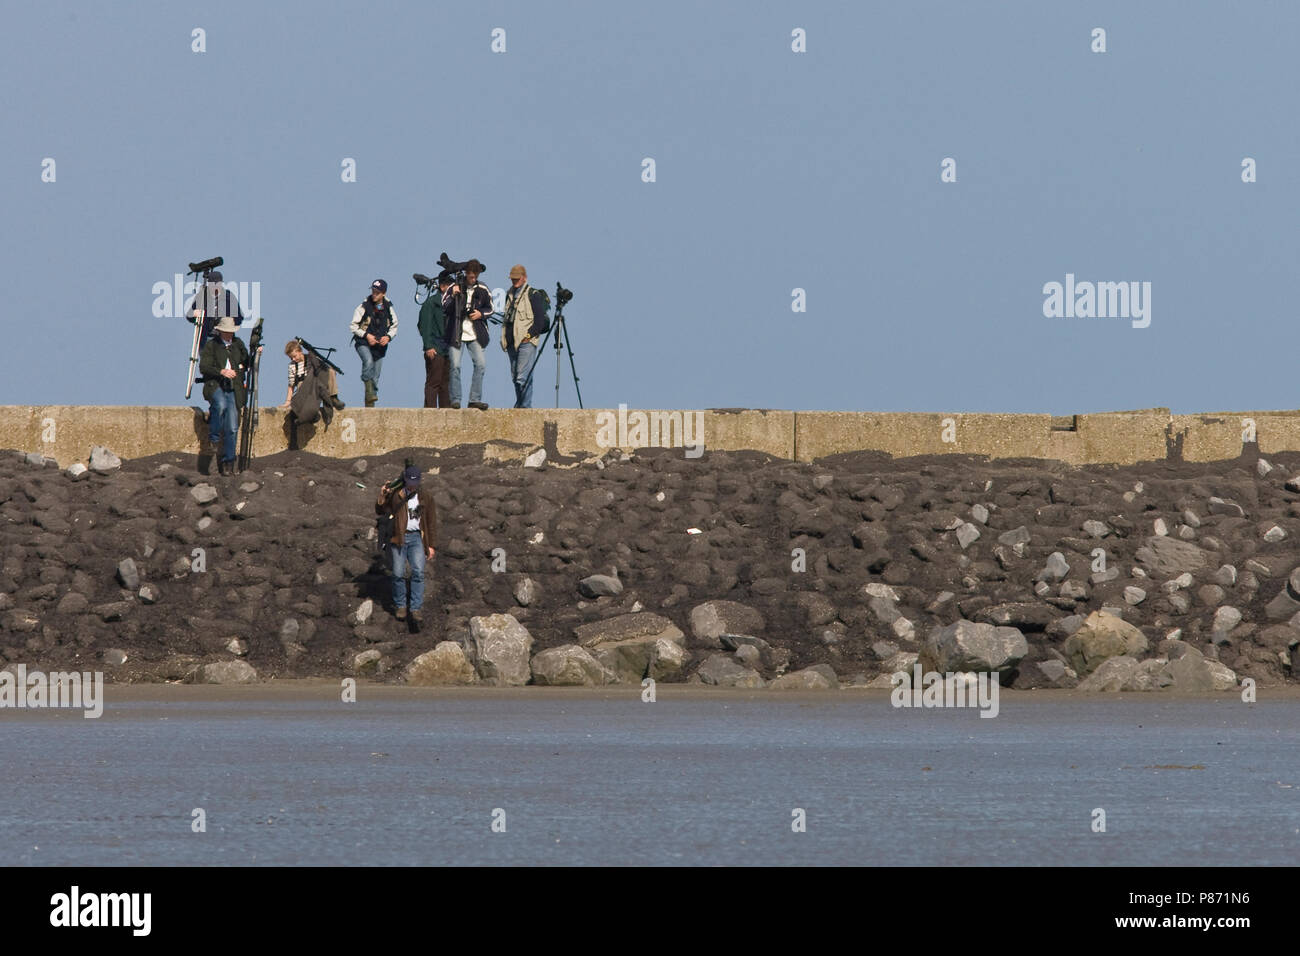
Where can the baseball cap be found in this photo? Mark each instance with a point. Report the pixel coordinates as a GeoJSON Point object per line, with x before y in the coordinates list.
{"type": "Point", "coordinates": [379, 284]}
{"type": "Point", "coordinates": [412, 477]}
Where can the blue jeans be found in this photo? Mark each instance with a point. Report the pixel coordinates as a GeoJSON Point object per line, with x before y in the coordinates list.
{"type": "Point", "coordinates": [223, 423]}
{"type": "Point", "coordinates": [521, 365]}
{"type": "Point", "coordinates": [480, 363]}
{"type": "Point", "coordinates": [410, 553]}
{"type": "Point", "coordinates": [370, 365]}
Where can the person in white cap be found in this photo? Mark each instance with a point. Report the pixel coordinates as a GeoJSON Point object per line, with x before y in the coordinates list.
{"type": "Point", "coordinates": [374, 323]}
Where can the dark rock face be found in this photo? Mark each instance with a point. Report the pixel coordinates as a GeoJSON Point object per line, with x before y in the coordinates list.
{"type": "Point", "coordinates": [851, 564]}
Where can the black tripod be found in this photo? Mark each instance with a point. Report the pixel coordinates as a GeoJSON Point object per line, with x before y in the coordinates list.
{"type": "Point", "coordinates": [562, 297]}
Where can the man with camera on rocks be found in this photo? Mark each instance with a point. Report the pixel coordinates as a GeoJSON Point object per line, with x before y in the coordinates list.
{"type": "Point", "coordinates": [526, 321]}
{"type": "Point", "coordinates": [374, 323]}
{"type": "Point", "coordinates": [414, 529]}
{"type": "Point", "coordinates": [471, 306]}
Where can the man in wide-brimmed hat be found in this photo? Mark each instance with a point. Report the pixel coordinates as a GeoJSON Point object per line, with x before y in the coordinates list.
{"type": "Point", "coordinates": [223, 363]}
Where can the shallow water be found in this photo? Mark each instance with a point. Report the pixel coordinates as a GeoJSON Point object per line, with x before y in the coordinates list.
{"type": "Point", "coordinates": [410, 779]}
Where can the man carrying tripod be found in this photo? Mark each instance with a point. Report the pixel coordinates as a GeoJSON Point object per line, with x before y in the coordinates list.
{"type": "Point", "coordinates": [216, 302]}
{"type": "Point", "coordinates": [223, 363]}
{"type": "Point", "coordinates": [525, 323]}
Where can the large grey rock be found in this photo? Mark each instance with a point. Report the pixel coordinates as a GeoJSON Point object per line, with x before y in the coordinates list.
{"type": "Point", "coordinates": [569, 666]}
{"type": "Point", "coordinates": [525, 591]}
{"type": "Point", "coordinates": [502, 649]}
{"type": "Point", "coordinates": [625, 645]}
{"type": "Point", "coordinates": [1056, 674]}
{"type": "Point", "coordinates": [970, 646]}
{"type": "Point", "coordinates": [70, 603]}
{"type": "Point", "coordinates": [1102, 636]}
{"type": "Point", "coordinates": [1225, 619]}
{"type": "Point", "coordinates": [1014, 537]}
{"type": "Point", "coordinates": [127, 574]}
{"type": "Point", "coordinates": [363, 612]}
{"type": "Point", "coordinates": [817, 677]}
{"type": "Point", "coordinates": [445, 664]}
{"type": "Point", "coordinates": [668, 660]}
{"type": "Point", "coordinates": [600, 585]}
{"type": "Point", "coordinates": [1111, 675]}
{"type": "Point", "coordinates": [203, 493]}
{"type": "Point", "coordinates": [722, 670]}
{"type": "Point", "coordinates": [712, 619]}
{"type": "Point", "coordinates": [1287, 602]}
{"type": "Point", "coordinates": [1169, 556]}
{"type": "Point", "coordinates": [817, 608]}
{"type": "Point", "coordinates": [1056, 568]}
{"type": "Point", "coordinates": [226, 672]}
{"type": "Point", "coordinates": [102, 460]}
{"type": "Point", "coordinates": [1219, 506]}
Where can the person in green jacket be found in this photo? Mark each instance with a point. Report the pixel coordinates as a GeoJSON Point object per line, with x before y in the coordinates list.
{"type": "Point", "coordinates": [433, 340]}
{"type": "Point", "coordinates": [223, 363]}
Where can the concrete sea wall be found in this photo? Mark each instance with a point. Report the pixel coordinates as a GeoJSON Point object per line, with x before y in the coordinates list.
{"type": "Point", "coordinates": [67, 432]}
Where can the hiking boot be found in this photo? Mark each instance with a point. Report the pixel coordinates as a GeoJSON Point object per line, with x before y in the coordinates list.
{"type": "Point", "coordinates": [223, 467]}
{"type": "Point", "coordinates": [417, 616]}
{"type": "Point", "coordinates": [372, 394]}
{"type": "Point", "coordinates": [337, 402]}
{"type": "Point", "coordinates": [400, 614]}
{"type": "Point", "coordinates": [481, 406]}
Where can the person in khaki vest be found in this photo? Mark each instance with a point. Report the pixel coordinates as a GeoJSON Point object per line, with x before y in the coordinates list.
{"type": "Point", "coordinates": [415, 526]}
{"type": "Point", "coordinates": [526, 321]}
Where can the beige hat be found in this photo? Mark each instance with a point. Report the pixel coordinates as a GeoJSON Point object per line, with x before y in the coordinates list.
{"type": "Point", "coordinates": [227, 324]}
{"type": "Point", "coordinates": [517, 272]}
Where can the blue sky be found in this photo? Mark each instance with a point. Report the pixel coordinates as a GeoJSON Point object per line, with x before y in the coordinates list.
{"type": "Point", "coordinates": [775, 170]}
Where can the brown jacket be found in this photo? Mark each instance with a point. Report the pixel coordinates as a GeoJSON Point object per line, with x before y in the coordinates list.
{"type": "Point", "coordinates": [393, 504]}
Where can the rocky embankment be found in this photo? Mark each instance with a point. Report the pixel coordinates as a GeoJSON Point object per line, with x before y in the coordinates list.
{"type": "Point", "coordinates": [730, 569]}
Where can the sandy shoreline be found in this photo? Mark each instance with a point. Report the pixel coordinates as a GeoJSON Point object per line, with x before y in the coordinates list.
{"type": "Point", "coordinates": [313, 689]}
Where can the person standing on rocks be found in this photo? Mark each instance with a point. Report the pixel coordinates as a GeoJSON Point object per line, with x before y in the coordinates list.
{"type": "Point", "coordinates": [223, 363]}
{"type": "Point", "coordinates": [415, 525]}
{"type": "Point", "coordinates": [433, 338]}
{"type": "Point", "coordinates": [473, 332]}
{"type": "Point", "coordinates": [374, 323]}
{"type": "Point", "coordinates": [525, 324]}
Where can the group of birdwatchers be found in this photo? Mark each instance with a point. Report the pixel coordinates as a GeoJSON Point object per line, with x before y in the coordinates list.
{"type": "Point", "coordinates": [313, 389]}
{"type": "Point", "coordinates": [444, 339]}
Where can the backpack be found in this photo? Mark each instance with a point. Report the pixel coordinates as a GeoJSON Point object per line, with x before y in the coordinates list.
{"type": "Point", "coordinates": [545, 312]}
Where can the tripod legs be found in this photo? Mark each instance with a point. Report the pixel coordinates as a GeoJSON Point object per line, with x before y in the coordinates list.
{"type": "Point", "coordinates": [561, 340]}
